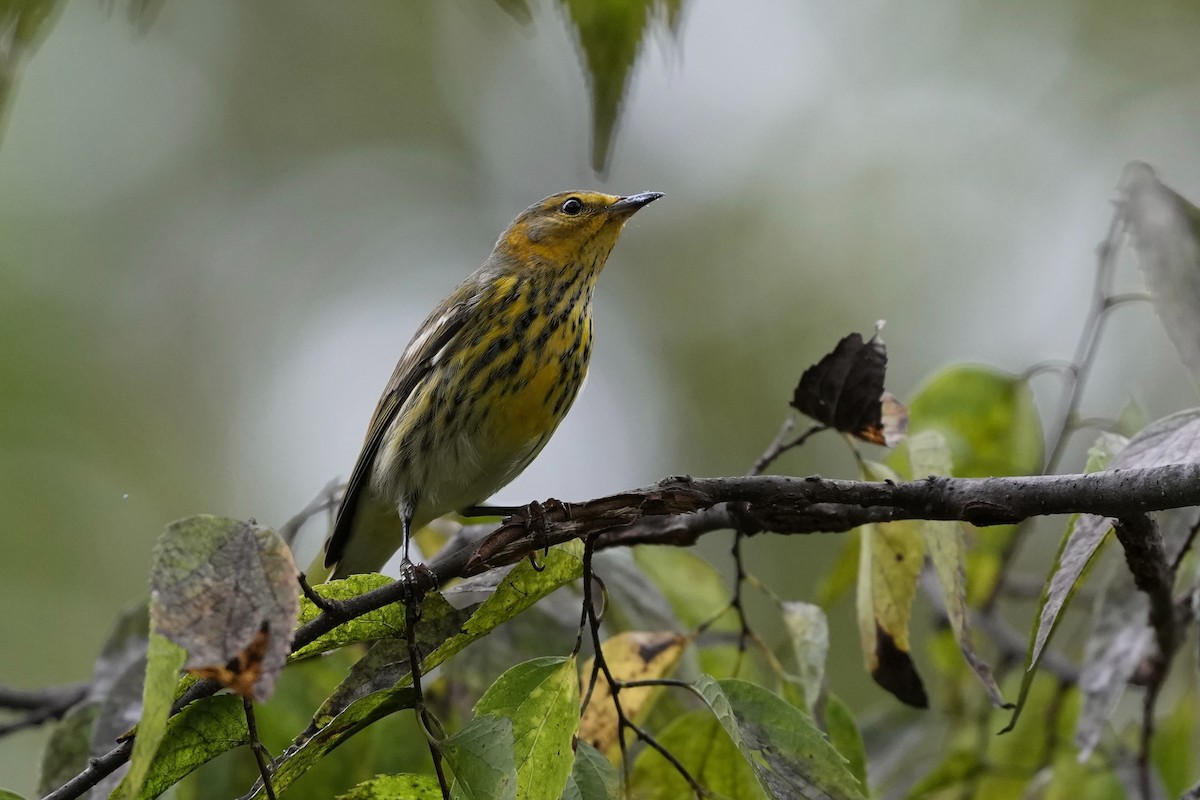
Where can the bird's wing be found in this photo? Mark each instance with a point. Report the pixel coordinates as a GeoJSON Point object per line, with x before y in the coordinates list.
{"type": "Point", "coordinates": [434, 335]}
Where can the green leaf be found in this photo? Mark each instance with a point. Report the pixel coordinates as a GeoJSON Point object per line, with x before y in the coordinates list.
{"type": "Point", "coordinates": [705, 750]}
{"type": "Point", "coordinates": [988, 418]}
{"type": "Point", "coordinates": [929, 455]}
{"type": "Point", "coordinates": [1176, 745]}
{"type": "Point", "coordinates": [199, 733]}
{"type": "Point", "coordinates": [789, 754]}
{"type": "Point", "coordinates": [5, 794]}
{"type": "Point", "coordinates": [697, 592]}
{"type": "Point", "coordinates": [164, 660]}
{"type": "Point", "coordinates": [386, 662]}
{"type": "Point", "coordinates": [396, 787]}
{"type": "Point", "coordinates": [25, 23]}
{"type": "Point", "coordinates": [385, 748]}
{"type": "Point", "coordinates": [481, 755]}
{"type": "Point", "coordinates": [521, 588]}
{"type": "Point", "coordinates": [634, 601]}
{"type": "Point", "coordinates": [956, 768]}
{"type": "Point", "coordinates": [840, 579]}
{"type": "Point", "coordinates": [226, 591]}
{"type": "Point", "coordinates": [382, 623]}
{"type": "Point", "coordinates": [697, 595]}
{"type": "Point", "coordinates": [541, 698]}
{"type": "Point", "coordinates": [360, 714]}
{"type": "Point", "coordinates": [846, 739]}
{"type": "Point", "coordinates": [114, 700]}
{"type": "Point", "coordinates": [593, 776]}
{"type": "Point", "coordinates": [610, 35]}
{"type": "Point", "coordinates": [69, 747]}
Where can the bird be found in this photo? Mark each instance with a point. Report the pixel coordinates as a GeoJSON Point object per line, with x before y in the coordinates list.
{"type": "Point", "coordinates": [484, 382]}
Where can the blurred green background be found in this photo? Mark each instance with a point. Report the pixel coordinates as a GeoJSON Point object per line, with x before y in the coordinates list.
{"type": "Point", "coordinates": [220, 226]}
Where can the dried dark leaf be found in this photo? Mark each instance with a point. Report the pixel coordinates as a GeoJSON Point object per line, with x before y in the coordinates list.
{"type": "Point", "coordinates": [895, 671]}
{"type": "Point", "coordinates": [844, 390]}
{"type": "Point", "coordinates": [227, 592]}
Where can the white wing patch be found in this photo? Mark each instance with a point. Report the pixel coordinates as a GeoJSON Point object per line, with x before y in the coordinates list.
{"type": "Point", "coordinates": [424, 336]}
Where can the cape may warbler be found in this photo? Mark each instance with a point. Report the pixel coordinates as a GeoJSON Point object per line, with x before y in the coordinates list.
{"type": "Point", "coordinates": [484, 382]}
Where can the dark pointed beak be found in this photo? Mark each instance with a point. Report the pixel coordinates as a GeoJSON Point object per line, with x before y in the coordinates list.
{"type": "Point", "coordinates": [630, 204]}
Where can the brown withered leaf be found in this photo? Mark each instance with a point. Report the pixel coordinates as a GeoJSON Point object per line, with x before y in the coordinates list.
{"type": "Point", "coordinates": [844, 390]}
{"type": "Point", "coordinates": [242, 672]}
{"type": "Point", "coordinates": [226, 591]}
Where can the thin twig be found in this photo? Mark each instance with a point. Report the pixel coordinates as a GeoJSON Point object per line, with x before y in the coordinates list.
{"type": "Point", "coordinates": [261, 756]}
{"type": "Point", "coordinates": [781, 445]}
{"type": "Point", "coordinates": [775, 447]}
{"type": "Point", "coordinates": [40, 705]}
{"type": "Point", "coordinates": [1187, 546]}
{"type": "Point", "coordinates": [615, 685]}
{"type": "Point", "coordinates": [1076, 378]}
{"type": "Point", "coordinates": [326, 500]}
{"type": "Point", "coordinates": [1145, 769]}
{"type": "Point", "coordinates": [412, 615]}
{"type": "Point", "coordinates": [1089, 338]}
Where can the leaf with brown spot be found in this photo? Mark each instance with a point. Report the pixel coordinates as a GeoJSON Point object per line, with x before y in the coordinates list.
{"type": "Point", "coordinates": [889, 564]}
{"type": "Point", "coordinates": [844, 390]}
{"type": "Point", "coordinates": [226, 592]}
{"type": "Point", "coordinates": [631, 656]}
{"type": "Point", "coordinates": [242, 672]}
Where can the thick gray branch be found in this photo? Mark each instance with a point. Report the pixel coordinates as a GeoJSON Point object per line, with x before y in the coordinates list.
{"type": "Point", "coordinates": [810, 505]}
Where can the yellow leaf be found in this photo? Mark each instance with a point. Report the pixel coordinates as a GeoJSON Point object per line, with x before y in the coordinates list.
{"type": "Point", "coordinates": [631, 656]}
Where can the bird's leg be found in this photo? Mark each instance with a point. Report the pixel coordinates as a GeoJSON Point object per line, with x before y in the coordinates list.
{"type": "Point", "coordinates": [536, 525]}
{"type": "Point", "coordinates": [410, 573]}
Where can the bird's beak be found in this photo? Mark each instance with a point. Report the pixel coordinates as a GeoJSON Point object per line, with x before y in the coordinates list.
{"type": "Point", "coordinates": [628, 205]}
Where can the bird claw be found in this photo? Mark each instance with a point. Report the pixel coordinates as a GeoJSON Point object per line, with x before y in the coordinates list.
{"type": "Point", "coordinates": [412, 575]}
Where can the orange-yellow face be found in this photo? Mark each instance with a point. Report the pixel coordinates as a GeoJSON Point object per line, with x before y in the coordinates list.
{"type": "Point", "coordinates": [571, 226]}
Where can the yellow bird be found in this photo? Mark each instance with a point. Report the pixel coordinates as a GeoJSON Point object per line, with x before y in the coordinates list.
{"type": "Point", "coordinates": [484, 382]}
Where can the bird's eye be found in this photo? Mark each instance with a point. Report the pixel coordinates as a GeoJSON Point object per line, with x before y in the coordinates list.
{"type": "Point", "coordinates": [572, 206]}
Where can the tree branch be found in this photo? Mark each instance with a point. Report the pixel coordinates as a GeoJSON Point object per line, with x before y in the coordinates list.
{"type": "Point", "coordinates": [677, 511]}
{"type": "Point", "coordinates": [811, 505]}
{"type": "Point", "coordinates": [40, 705]}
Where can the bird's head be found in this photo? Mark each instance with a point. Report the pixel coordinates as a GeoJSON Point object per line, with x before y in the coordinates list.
{"type": "Point", "coordinates": [570, 228]}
